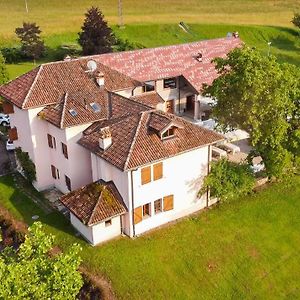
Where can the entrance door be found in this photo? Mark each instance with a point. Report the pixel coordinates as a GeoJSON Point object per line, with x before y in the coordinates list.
{"type": "Point", "coordinates": [170, 106]}
{"type": "Point", "coordinates": [190, 103]}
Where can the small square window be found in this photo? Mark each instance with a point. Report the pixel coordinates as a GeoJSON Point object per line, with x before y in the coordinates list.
{"type": "Point", "coordinates": [157, 206]}
{"type": "Point", "coordinates": [170, 83]}
{"type": "Point", "coordinates": [146, 210]}
{"type": "Point", "coordinates": [108, 223]}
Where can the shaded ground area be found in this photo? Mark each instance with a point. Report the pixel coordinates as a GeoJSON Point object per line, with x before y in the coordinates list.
{"type": "Point", "coordinates": [7, 159]}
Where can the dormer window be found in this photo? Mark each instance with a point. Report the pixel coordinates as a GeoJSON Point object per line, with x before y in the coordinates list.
{"type": "Point", "coordinates": [73, 112]}
{"type": "Point", "coordinates": [149, 86]}
{"type": "Point", "coordinates": [170, 83]}
{"type": "Point", "coordinates": [95, 107]}
{"type": "Point", "coordinates": [168, 133]}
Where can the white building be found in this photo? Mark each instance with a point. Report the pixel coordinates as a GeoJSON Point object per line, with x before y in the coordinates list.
{"type": "Point", "coordinates": [112, 117]}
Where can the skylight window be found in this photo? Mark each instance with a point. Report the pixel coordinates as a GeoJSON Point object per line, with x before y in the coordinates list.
{"type": "Point", "coordinates": [95, 107]}
{"type": "Point", "coordinates": [73, 112]}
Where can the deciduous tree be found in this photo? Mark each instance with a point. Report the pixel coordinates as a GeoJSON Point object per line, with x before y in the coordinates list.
{"type": "Point", "coordinates": [257, 94]}
{"type": "Point", "coordinates": [96, 37]}
{"type": "Point", "coordinates": [31, 273]}
{"type": "Point", "coordinates": [32, 45]}
{"type": "Point", "coordinates": [296, 20]}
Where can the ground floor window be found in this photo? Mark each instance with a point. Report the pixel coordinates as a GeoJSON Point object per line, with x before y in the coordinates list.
{"type": "Point", "coordinates": [146, 210]}
{"type": "Point", "coordinates": [54, 172]}
{"type": "Point", "coordinates": [158, 206]}
{"type": "Point", "coordinates": [68, 182]}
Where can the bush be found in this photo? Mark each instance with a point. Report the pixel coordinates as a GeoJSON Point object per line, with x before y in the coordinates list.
{"type": "Point", "coordinates": [26, 164]}
{"type": "Point", "coordinates": [62, 51]}
{"type": "Point", "coordinates": [228, 180]}
{"type": "Point", "coordinates": [12, 55]}
{"type": "Point", "coordinates": [126, 45]}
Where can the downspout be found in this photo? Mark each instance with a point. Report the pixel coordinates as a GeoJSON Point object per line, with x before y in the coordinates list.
{"type": "Point", "coordinates": [179, 94]}
{"type": "Point", "coordinates": [132, 202]}
{"type": "Point", "coordinates": [208, 169]}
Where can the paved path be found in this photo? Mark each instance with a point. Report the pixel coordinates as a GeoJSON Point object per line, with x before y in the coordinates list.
{"type": "Point", "coordinates": [7, 158]}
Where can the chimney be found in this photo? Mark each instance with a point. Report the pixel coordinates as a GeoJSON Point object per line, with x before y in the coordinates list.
{"type": "Point", "coordinates": [100, 78]}
{"type": "Point", "coordinates": [105, 139]}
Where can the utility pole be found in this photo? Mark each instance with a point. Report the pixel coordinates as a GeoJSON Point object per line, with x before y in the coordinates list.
{"type": "Point", "coordinates": [120, 12]}
{"type": "Point", "coordinates": [26, 6]}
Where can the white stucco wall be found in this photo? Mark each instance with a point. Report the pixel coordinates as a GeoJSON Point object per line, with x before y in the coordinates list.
{"type": "Point", "coordinates": [125, 93]}
{"type": "Point", "coordinates": [97, 233]}
{"type": "Point", "coordinates": [182, 177]}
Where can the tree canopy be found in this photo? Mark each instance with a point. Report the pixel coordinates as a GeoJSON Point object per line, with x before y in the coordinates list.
{"type": "Point", "coordinates": [257, 94]}
{"type": "Point", "coordinates": [32, 45]}
{"type": "Point", "coordinates": [96, 37]}
{"type": "Point", "coordinates": [296, 20]}
{"type": "Point", "coordinates": [32, 273]}
{"type": "Point", "coordinates": [3, 70]}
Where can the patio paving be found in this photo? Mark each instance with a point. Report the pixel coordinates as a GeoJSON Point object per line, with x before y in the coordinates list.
{"type": "Point", "coordinates": [53, 195]}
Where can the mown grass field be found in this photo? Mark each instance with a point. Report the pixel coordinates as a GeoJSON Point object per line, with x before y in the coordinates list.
{"type": "Point", "coordinates": [245, 249]}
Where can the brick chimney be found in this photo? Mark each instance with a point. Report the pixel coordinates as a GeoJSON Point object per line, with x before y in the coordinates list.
{"type": "Point", "coordinates": [105, 139]}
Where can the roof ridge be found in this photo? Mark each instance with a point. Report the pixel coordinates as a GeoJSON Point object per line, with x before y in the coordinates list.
{"type": "Point", "coordinates": [32, 85]}
{"type": "Point", "coordinates": [134, 140]}
{"type": "Point", "coordinates": [97, 203]}
{"type": "Point", "coordinates": [63, 110]}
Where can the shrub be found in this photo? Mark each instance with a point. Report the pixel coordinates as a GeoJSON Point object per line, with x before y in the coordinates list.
{"type": "Point", "coordinates": [126, 45]}
{"type": "Point", "coordinates": [12, 55]}
{"type": "Point", "coordinates": [26, 164]}
{"type": "Point", "coordinates": [228, 180]}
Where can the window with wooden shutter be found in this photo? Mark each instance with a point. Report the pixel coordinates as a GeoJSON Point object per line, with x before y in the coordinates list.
{"type": "Point", "coordinates": [8, 108]}
{"type": "Point", "coordinates": [13, 134]}
{"type": "Point", "coordinates": [168, 202]}
{"type": "Point", "coordinates": [138, 214]}
{"type": "Point", "coordinates": [68, 182]}
{"type": "Point", "coordinates": [64, 150]}
{"type": "Point", "coordinates": [50, 143]}
{"type": "Point", "coordinates": [157, 171]}
{"type": "Point", "coordinates": [53, 171]}
{"type": "Point", "coordinates": [146, 175]}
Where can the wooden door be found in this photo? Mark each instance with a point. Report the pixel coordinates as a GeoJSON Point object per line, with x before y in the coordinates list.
{"type": "Point", "coordinates": [190, 103]}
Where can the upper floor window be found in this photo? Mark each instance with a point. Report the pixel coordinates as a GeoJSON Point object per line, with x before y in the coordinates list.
{"type": "Point", "coordinates": [150, 173]}
{"type": "Point", "coordinates": [170, 83]}
{"type": "Point", "coordinates": [55, 172]}
{"type": "Point", "coordinates": [51, 141]}
{"type": "Point", "coordinates": [149, 86]}
{"type": "Point", "coordinates": [64, 149]}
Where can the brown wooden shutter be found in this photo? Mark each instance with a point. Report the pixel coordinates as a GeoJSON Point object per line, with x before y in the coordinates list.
{"type": "Point", "coordinates": [50, 143]}
{"type": "Point", "coordinates": [53, 171]}
{"type": "Point", "coordinates": [168, 202]}
{"type": "Point", "coordinates": [146, 175]}
{"type": "Point", "coordinates": [8, 108]}
{"type": "Point", "coordinates": [13, 134]}
{"type": "Point", "coordinates": [64, 150]}
{"type": "Point", "coordinates": [138, 215]}
{"type": "Point", "coordinates": [158, 171]}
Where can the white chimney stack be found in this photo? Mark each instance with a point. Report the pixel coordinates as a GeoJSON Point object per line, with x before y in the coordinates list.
{"type": "Point", "coordinates": [105, 139]}
{"type": "Point", "coordinates": [100, 78]}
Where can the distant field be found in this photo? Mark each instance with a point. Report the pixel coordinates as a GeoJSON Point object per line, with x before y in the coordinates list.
{"type": "Point", "coordinates": [66, 16]}
{"type": "Point", "coordinates": [285, 41]}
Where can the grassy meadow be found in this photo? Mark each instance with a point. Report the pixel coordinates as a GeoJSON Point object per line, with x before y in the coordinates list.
{"type": "Point", "coordinates": [245, 249]}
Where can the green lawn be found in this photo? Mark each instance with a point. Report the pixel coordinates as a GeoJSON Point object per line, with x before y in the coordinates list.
{"type": "Point", "coordinates": [245, 249]}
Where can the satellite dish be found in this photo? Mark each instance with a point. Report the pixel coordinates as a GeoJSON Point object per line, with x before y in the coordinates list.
{"type": "Point", "coordinates": [91, 65]}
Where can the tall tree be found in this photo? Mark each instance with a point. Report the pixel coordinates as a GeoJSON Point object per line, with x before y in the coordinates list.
{"type": "Point", "coordinates": [3, 70]}
{"type": "Point", "coordinates": [96, 37]}
{"type": "Point", "coordinates": [31, 273]}
{"type": "Point", "coordinates": [32, 45]}
{"type": "Point", "coordinates": [255, 93]}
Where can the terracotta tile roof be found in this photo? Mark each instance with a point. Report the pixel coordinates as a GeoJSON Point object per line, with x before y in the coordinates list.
{"type": "Point", "coordinates": [150, 99]}
{"type": "Point", "coordinates": [95, 202]}
{"type": "Point", "coordinates": [135, 144]}
{"type": "Point", "coordinates": [158, 122]}
{"type": "Point", "coordinates": [169, 61]}
{"type": "Point", "coordinates": [48, 83]}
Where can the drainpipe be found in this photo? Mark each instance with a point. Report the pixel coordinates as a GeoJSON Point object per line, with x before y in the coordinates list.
{"type": "Point", "coordinates": [132, 202]}
{"type": "Point", "coordinates": [208, 169]}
